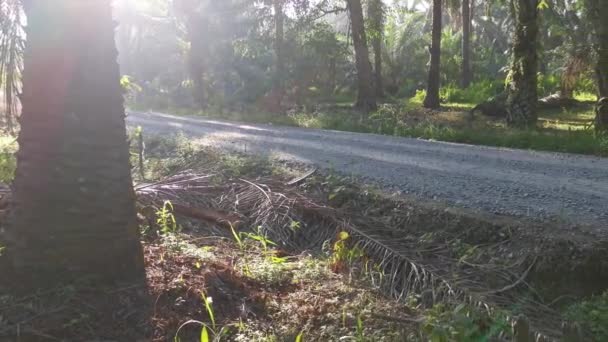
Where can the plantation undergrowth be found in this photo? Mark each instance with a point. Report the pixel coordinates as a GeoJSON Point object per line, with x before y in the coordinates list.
{"type": "Point", "coordinates": [567, 130]}
{"type": "Point", "coordinates": [243, 249]}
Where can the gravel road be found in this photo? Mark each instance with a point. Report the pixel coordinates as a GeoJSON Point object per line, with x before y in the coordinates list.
{"type": "Point", "coordinates": [570, 188]}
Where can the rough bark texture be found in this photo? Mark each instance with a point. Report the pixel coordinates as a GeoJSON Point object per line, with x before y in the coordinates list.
{"type": "Point", "coordinates": [432, 90]}
{"type": "Point", "coordinates": [523, 95]}
{"type": "Point", "coordinates": [598, 12]}
{"type": "Point", "coordinates": [74, 209]}
{"type": "Point", "coordinates": [466, 44]}
{"type": "Point", "coordinates": [366, 96]}
{"type": "Point", "coordinates": [376, 18]}
{"type": "Point", "coordinates": [601, 115]}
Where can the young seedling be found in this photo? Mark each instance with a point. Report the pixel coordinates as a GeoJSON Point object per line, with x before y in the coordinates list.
{"type": "Point", "coordinates": [165, 219]}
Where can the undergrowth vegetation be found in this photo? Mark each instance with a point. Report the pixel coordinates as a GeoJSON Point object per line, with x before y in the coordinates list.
{"type": "Point", "coordinates": [340, 265]}
{"type": "Point", "coordinates": [8, 161]}
{"type": "Point", "coordinates": [559, 129]}
{"type": "Point", "coordinates": [219, 276]}
{"type": "Point", "coordinates": [330, 293]}
{"type": "Point", "coordinates": [592, 315]}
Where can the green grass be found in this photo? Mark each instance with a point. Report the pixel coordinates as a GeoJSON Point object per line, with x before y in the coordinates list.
{"type": "Point", "coordinates": [559, 131]}
{"type": "Point", "coordinates": [581, 142]}
{"type": "Point", "coordinates": [8, 161]}
{"type": "Point", "coordinates": [592, 314]}
{"type": "Point", "coordinates": [585, 96]}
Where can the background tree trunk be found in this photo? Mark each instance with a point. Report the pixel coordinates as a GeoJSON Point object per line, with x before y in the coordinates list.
{"type": "Point", "coordinates": [196, 63]}
{"type": "Point", "coordinates": [366, 96]}
{"type": "Point", "coordinates": [466, 44]}
{"type": "Point", "coordinates": [523, 94]}
{"type": "Point", "coordinates": [279, 22]}
{"type": "Point", "coordinates": [74, 210]}
{"type": "Point", "coordinates": [432, 90]}
{"type": "Point", "coordinates": [331, 77]}
{"type": "Point", "coordinates": [598, 12]}
{"type": "Point", "coordinates": [375, 10]}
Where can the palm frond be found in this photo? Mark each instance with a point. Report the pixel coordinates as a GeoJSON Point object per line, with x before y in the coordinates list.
{"type": "Point", "coordinates": [404, 266]}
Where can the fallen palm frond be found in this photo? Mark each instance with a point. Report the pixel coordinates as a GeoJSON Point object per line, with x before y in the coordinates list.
{"type": "Point", "coordinates": [251, 205]}
{"type": "Point", "coordinates": [408, 268]}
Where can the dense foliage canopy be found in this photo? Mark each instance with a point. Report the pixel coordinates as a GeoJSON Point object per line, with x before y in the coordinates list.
{"type": "Point", "coordinates": [277, 54]}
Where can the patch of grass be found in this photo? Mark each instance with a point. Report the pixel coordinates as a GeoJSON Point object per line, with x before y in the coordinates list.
{"type": "Point", "coordinates": [585, 96]}
{"type": "Point", "coordinates": [592, 315]}
{"type": "Point", "coordinates": [559, 131]}
{"type": "Point", "coordinates": [8, 161]}
{"type": "Point", "coordinates": [576, 118]}
{"type": "Point", "coordinates": [268, 272]}
{"type": "Point", "coordinates": [464, 323]}
{"type": "Point", "coordinates": [418, 99]}
{"type": "Point", "coordinates": [555, 140]}
{"type": "Point", "coordinates": [477, 92]}
{"type": "Point", "coordinates": [235, 165]}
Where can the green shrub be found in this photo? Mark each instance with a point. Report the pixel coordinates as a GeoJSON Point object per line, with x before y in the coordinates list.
{"type": "Point", "coordinates": [385, 119]}
{"type": "Point", "coordinates": [586, 84]}
{"type": "Point", "coordinates": [585, 96]}
{"type": "Point", "coordinates": [548, 84]}
{"type": "Point", "coordinates": [477, 92]}
{"type": "Point", "coordinates": [464, 323]}
{"type": "Point", "coordinates": [419, 97]}
{"type": "Point", "coordinates": [592, 315]}
{"type": "Point", "coordinates": [8, 161]}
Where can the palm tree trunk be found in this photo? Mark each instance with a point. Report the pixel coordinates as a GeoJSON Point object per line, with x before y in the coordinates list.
{"type": "Point", "coordinates": [432, 91]}
{"type": "Point", "coordinates": [598, 11]}
{"type": "Point", "coordinates": [74, 211]}
{"type": "Point", "coordinates": [466, 44]}
{"type": "Point", "coordinates": [366, 96]}
{"type": "Point", "coordinates": [376, 17]}
{"type": "Point", "coordinates": [331, 77]}
{"type": "Point", "coordinates": [378, 83]}
{"type": "Point", "coordinates": [279, 23]}
{"type": "Point", "coordinates": [196, 57]}
{"type": "Point", "coordinates": [523, 94]}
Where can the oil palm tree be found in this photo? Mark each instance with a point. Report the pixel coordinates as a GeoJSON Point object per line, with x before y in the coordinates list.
{"type": "Point", "coordinates": [376, 15]}
{"type": "Point", "coordinates": [432, 89]}
{"type": "Point", "coordinates": [522, 91]}
{"type": "Point", "coordinates": [466, 43]}
{"type": "Point", "coordinates": [74, 211]}
{"type": "Point", "coordinates": [598, 11]}
{"type": "Point", "coordinates": [366, 96]}
{"type": "Point", "coordinates": [196, 25]}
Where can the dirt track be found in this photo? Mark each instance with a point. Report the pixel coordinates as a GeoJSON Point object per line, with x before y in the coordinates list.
{"type": "Point", "coordinates": [567, 188]}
